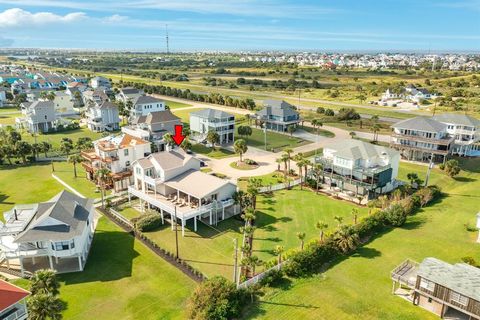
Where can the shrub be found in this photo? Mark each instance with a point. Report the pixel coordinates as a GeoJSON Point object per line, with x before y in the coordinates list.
{"type": "Point", "coordinates": [329, 112]}
{"type": "Point", "coordinates": [309, 260]}
{"type": "Point", "coordinates": [147, 222]}
{"type": "Point", "coordinates": [216, 298]}
{"type": "Point", "coordinates": [442, 166]}
{"type": "Point", "coordinates": [272, 277]}
{"type": "Point", "coordinates": [470, 260]}
{"type": "Point", "coordinates": [470, 228]}
{"type": "Point", "coordinates": [320, 110]}
{"type": "Point", "coordinates": [395, 216]}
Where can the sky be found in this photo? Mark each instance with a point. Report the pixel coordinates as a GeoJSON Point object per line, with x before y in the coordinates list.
{"type": "Point", "coordinates": [233, 25]}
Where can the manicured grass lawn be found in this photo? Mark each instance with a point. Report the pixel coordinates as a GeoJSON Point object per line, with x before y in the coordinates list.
{"type": "Point", "coordinates": [275, 141]}
{"type": "Point", "coordinates": [55, 138]}
{"type": "Point", "coordinates": [319, 131]}
{"type": "Point", "coordinates": [218, 153]}
{"type": "Point", "coordinates": [26, 184]}
{"type": "Point", "coordinates": [9, 119]}
{"type": "Point", "coordinates": [271, 178]}
{"type": "Point", "coordinates": [242, 166]}
{"type": "Point", "coordinates": [175, 105]}
{"type": "Point", "coordinates": [359, 286]}
{"type": "Point", "coordinates": [287, 212]}
{"type": "Point", "coordinates": [279, 218]}
{"type": "Point", "coordinates": [64, 170]}
{"type": "Point", "coordinates": [185, 114]}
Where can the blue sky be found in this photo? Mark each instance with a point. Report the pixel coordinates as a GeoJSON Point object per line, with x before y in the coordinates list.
{"type": "Point", "coordinates": [353, 25]}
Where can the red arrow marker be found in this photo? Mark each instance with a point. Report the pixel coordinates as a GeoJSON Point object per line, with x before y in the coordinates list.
{"type": "Point", "coordinates": [178, 137]}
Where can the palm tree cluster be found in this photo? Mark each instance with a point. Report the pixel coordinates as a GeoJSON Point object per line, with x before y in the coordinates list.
{"type": "Point", "coordinates": [12, 146]}
{"type": "Point", "coordinates": [45, 303]}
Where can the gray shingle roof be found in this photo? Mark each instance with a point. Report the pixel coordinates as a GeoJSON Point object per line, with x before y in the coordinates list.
{"type": "Point", "coordinates": [421, 123]}
{"type": "Point", "coordinates": [68, 214]}
{"type": "Point", "coordinates": [459, 119]}
{"type": "Point", "coordinates": [211, 114]}
{"type": "Point", "coordinates": [167, 160]}
{"type": "Point", "coordinates": [357, 149]}
{"type": "Point", "coordinates": [460, 277]}
{"type": "Point", "coordinates": [146, 99]}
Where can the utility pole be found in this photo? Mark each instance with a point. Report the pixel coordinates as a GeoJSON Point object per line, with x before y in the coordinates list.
{"type": "Point", "coordinates": [235, 264]}
{"type": "Point", "coordinates": [299, 90]}
{"type": "Point", "coordinates": [176, 233]}
{"type": "Point", "coordinates": [265, 134]}
{"type": "Point", "coordinates": [430, 166]}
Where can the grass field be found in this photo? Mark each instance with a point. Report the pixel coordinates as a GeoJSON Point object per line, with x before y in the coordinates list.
{"type": "Point", "coordinates": [185, 114]}
{"type": "Point", "coordinates": [9, 118]}
{"type": "Point", "coordinates": [279, 218]}
{"type": "Point", "coordinates": [176, 105]}
{"type": "Point", "coordinates": [55, 138]}
{"type": "Point", "coordinates": [218, 153]}
{"type": "Point", "coordinates": [275, 141]}
{"type": "Point", "coordinates": [358, 286]}
{"type": "Point", "coordinates": [122, 277]}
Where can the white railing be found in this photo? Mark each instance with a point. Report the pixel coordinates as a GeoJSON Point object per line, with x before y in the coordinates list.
{"type": "Point", "coordinates": [280, 186]}
{"type": "Point", "coordinates": [20, 314]}
{"type": "Point", "coordinates": [208, 207]}
{"type": "Point", "coordinates": [151, 200]}
{"type": "Point", "coordinates": [121, 217]}
{"type": "Point", "coordinates": [260, 276]}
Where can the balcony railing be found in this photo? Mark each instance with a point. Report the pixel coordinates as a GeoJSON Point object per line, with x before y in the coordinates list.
{"type": "Point", "coordinates": [441, 141]}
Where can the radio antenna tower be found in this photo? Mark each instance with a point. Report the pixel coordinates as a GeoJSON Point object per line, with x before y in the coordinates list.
{"type": "Point", "coordinates": [166, 38]}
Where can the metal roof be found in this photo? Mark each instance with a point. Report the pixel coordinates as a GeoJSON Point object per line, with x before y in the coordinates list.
{"type": "Point", "coordinates": [421, 123]}
{"type": "Point", "coordinates": [459, 119]}
{"type": "Point", "coordinates": [460, 277]}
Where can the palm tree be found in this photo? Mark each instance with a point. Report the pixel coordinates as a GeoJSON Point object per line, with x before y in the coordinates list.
{"type": "Point", "coordinates": [355, 215]}
{"type": "Point", "coordinates": [346, 239]}
{"type": "Point", "coordinates": [338, 219]}
{"type": "Point", "coordinates": [300, 160]}
{"type": "Point", "coordinates": [375, 129]}
{"type": "Point", "coordinates": [248, 216]}
{"type": "Point", "coordinates": [240, 147]}
{"type": "Point", "coordinates": [74, 159]}
{"type": "Point", "coordinates": [278, 251]}
{"type": "Point", "coordinates": [279, 162]}
{"type": "Point", "coordinates": [44, 282]}
{"type": "Point", "coordinates": [322, 226]}
{"type": "Point", "coordinates": [213, 138]}
{"type": "Point", "coordinates": [23, 149]}
{"type": "Point", "coordinates": [317, 170]}
{"type": "Point", "coordinates": [102, 176]}
{"type": "Point", "coordinates": [306, 164]}
{"type": "Point", "coordinates": [253, 187]}
{"type": "Point", "coordinates": [301, 237]}
{"type": "Point", "coordinates": [46, 146]}
{"type": "Point", "coordinates": [285, 158]}
{"type": "Point", "coordinates": [289, 152]}
{"type": "Point", "coordinates": [45, 306]}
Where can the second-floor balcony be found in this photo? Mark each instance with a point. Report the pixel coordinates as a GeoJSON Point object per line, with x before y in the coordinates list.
{"type": "Point", "coordinates": [439, 141]}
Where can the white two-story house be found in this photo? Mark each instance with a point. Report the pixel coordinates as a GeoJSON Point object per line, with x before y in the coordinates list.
{"type": "Point", "coordinates": [153, 127]}
{"type": "Point", "coordinates": [128, 93]}
{"type": "Point", "coordinates": [115, 153]}
{"type": "Point", "coordinates": [421, 138]}
{"type": "Point", "coordinates": [143, 105]}
{"type": "Point", "coordinates": [171, 182]}
{"type": "Point", "coordinates": [203, 121]}
{"type": "Point", "coordinates": [55, 234]}
{"type": "Point", "coordinates": [100, 82]}
{"type": "Point", "coordinates": [103, 117]}
{"type": "Point", "coordinates": [360, 167]}
{"type": "Point", "coordinates": [38, 116]}
{"type": "Point", "coordinates": [466, 132]}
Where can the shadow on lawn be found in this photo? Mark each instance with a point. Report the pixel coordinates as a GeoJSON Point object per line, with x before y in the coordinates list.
{"type": "Point", "coordinates": [111, 258]}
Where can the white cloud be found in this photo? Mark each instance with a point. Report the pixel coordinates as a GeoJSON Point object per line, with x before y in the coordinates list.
{"type": "Point", "coordinates": [19, 17]}
{"type": "Point", "coordinates": [116, 18]}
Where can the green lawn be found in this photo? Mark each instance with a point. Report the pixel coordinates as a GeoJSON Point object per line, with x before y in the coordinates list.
{"type": "Point", "coordinates": [271, 178]}
{"type": "Point", "coordinates": [358, 287]}
{"type": "Point", "coordinates": [218, 153]}
{"type": "Point", "coordinates": [64, 170]}
{"type": "Point", "coordinates": [185, 114]}
{"type": "Point", "coordinates": [9, 119]}
{"type": "Point", "coordinates": [242, 166]}
{"type": "Point", "coordinates": [279, 218]}
{"type": "Point", "coordinates": [319, 131]}
{"type": "Point", "coordinates": [176, 105]}
{"type": "Point", "coordinates": [55, 138]}
{"type": "Point", "coordinates": [275, 141]}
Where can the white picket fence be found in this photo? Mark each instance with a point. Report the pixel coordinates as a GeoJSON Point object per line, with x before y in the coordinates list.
{"type": "Point", "coordinates": [120, 217]}
{"type": "Point", "coordinates": [280, 186]}
{"type": "Point", "coordinates": [260, 276]}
